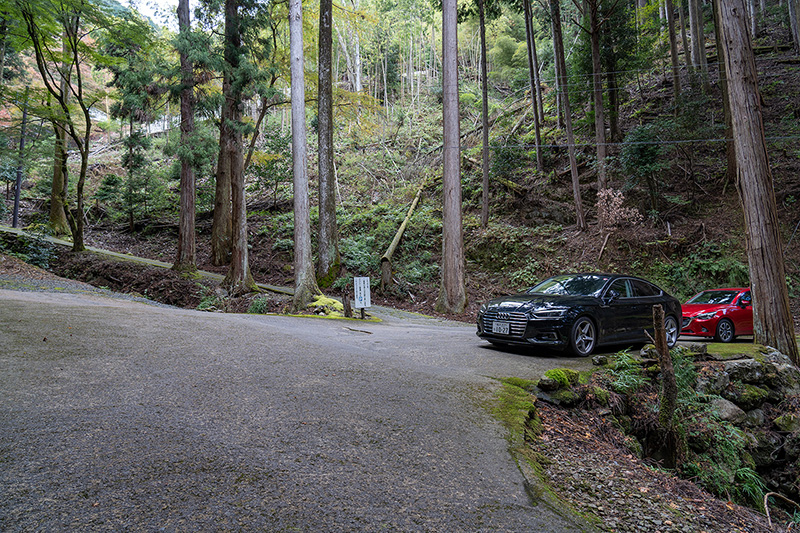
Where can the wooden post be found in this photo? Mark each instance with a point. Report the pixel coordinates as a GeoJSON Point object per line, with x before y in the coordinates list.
{"type": "Point", "coordinates": [669, 387]}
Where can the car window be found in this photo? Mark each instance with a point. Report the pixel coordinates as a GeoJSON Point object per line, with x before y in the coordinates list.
{"type": "Point", "coordinates": [623, 288]}
{"type": "Point", "coordinates": [643, 289]}
{"type": "Point", "coordinates": [746, 298]}
{"type": "Point", "coordinates": [713, 297]}
{"type": "Point", "coordinates": [574, 285]}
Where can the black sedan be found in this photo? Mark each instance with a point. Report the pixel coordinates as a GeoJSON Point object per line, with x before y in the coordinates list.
{"type": "Point", "coordinates": [579, 312]}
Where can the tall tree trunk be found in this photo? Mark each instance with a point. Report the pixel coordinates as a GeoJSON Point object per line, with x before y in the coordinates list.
{"type": "Point", "coordinates": [702, 59]}
{"type": "Point", "coordinates": [58, 192]}
{"type": "Point", "coordinates": [558, 50]}
{"type": "Point", "coordinates": [794, 7]}
{"type": "Point", "coordinates": [673, 52]}
{"type": "Point", "coordinates": [484, 118]}
{"type": "Point", "coordinates": [452, 294]}
{"type": "Point", "coordinates": [688, 58]}
{"type": "Point", "coordinates": [329, 262]}
{"type": "Point", "coordinates": [185, 258]}
{"type": "Point", "coordinates": [597, 90]}
{"type": "Point", "coordinates": [238, 280]}
{"type": "Point", "coordinates": [534, 79]}
{"type": "Point", "coordinates": [221, 227]}
{"type": "Point", "coordinates": [305, 283]}
{"type": "Point", "coordinates": [730, 149]}
{"type": "Point", "coordinates": [773, 324]}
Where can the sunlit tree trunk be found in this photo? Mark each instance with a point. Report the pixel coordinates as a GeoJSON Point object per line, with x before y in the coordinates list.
{"type": "Point", "coordinates": [773, 324]}
{"type": "Point", "coordinates": [452, 294]}
{"type": "Point", "coordinates": [305, 282]}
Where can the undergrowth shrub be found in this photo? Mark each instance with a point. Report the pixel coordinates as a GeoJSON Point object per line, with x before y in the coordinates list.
{"type": "Point", "coordinates": [33, 249]}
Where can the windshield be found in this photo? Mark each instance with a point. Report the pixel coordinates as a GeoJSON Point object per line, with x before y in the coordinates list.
{"type": "Point", "coordinates": [571, 285]}
{"type": "Point", "coordinates": [714, 297]}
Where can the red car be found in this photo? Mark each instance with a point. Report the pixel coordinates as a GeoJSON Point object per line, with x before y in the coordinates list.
{"type": "Point", "coordinates": [720, 313]}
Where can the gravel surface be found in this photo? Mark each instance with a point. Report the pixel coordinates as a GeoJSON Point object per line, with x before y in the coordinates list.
{"type": "Point", "coordinates": [116, 415]}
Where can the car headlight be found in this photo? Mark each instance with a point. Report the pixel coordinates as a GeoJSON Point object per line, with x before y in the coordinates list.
{"type": "Point", "coordinates": [483, 309]}
{"type": "Point", "coordinates": [552, 312]}
{"type": "Point", "coordinates": [706, 316]}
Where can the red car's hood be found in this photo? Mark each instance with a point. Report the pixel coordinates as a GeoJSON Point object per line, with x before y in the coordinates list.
{"type": "Point", "coordinates": [696, 309]}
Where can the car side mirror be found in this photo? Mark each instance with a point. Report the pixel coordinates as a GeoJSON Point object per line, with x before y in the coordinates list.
{"type": "Point", "coordinates": [744, 303]}
{"type": "Point", "coordinates": [611, 296]}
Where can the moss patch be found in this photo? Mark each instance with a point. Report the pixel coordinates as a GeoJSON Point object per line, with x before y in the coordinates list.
{"type": "Point", "coordinates": [565, 377]}
{"type": "Point", "coordinates": [517, 411]}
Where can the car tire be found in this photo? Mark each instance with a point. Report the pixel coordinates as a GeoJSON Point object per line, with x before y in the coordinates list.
{"type": "Point", "coordinates": [725, 331]}
{"type": "Point", "coordinates": [672, 330]}
{"type": "Point", "coordinates": [583, 337]}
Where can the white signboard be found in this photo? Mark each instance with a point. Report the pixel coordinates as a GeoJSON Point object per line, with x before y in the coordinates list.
{"type": "Point", "coordinates": [362, 297]}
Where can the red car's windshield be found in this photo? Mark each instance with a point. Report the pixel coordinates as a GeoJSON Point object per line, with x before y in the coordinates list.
{"type": "Point", "coordinates": [714, 297]}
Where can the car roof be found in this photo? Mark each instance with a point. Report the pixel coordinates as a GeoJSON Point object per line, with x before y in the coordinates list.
{"type": "Point", "coordinates": [739, 289]}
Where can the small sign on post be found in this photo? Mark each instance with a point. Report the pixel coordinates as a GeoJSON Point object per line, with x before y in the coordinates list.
{"type": "Point", "coordinates": [362, 294]}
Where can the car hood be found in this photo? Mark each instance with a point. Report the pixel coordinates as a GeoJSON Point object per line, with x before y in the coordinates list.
{"type": "Point", "coordinates": [696, 309]}
{"type": "Point", "coordinates": [523, 302]}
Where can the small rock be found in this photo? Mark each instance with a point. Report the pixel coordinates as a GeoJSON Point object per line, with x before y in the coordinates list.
{"type": "Point", "coordinates": [754, 418]}
{"type": "Point", "coordinates": [600, 360]}
{"type": "Point", "coordinates": [728, 411]}
{"type": "Point", "coordinates": [788, 422]}
{"type": "Point", "coordinates": [548, 384]}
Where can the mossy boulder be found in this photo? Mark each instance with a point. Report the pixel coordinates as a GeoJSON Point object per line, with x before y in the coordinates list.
{"type": "Point", "coordinates": [322, 305]}
{"type": "Point", "coordinates": [789, 422]}
{"type": "Point", "coordinates": [563, 377]}
{"type": "Point", "coordinates": [745, 395]}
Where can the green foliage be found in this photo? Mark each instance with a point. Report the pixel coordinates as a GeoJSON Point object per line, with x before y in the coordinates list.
{"type": "Point", "coordinates": [272, 162]}
{"type": "Point", "coordinates": [32, 249]}
{"type": "Point", "coordinates": [259, 305]}
{"type": "Point", "coordinates": [626, 373]}
{"type": "Point", "coordinates": [709, 265]}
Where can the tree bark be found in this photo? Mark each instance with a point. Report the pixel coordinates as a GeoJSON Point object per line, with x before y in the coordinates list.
{"type": "Point", "coordinates": [238, 280]}
{"type": "Point", "coordinates": [794, 6]}
{"type": "Point", "coordinates": [558, 49]}
{"type": "Point", "coordinates": [305, 283]}
{"type": "Point", "coordinates": [484, 118]}
{"type": "Point", "coordinates": [221, 227]}
{"type": "Point", "coordinates": [730, 149]}
{"type": "Point", "coordinates": [452, 294]}
{"type": "Point", "coordinates": [772, 318]}
{"type": "Point", "coordinates": [534, 79]}
{"type": "Point", "coordinates": [329, 262]}
{"type": "Point", "coordinates": [58, 192]}
{"type": "Point", "coordinates": [186, 256]}
{"type": "Point", "coordinates": [597, 90]}
{"type": "Point", "coordinates": [673, 52]}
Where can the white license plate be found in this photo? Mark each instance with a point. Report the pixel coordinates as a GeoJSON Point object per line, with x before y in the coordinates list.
{"type": "Point", "coordinates": [501, 327]}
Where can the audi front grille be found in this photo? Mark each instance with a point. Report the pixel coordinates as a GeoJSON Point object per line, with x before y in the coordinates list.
{"type": "Point", "coordinates": [518, 322]}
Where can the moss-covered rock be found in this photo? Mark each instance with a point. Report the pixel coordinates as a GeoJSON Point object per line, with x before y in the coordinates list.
{"type": "Point", "coordinates": [564, 377]}
{"type": "Point", "coordinates": [788, 422]}
{"type": "Point", "coordinates": [601, 395]}
{"type": "Point", "coordinates": [322, 305]}
{"type": "Point", "coordinates": [745, 395]}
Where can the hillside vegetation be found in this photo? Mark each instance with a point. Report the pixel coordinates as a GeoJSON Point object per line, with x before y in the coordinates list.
{"type": "Point", "coordinates": [671, 213]}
